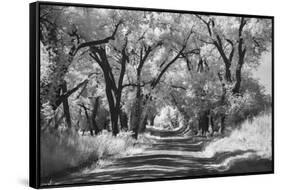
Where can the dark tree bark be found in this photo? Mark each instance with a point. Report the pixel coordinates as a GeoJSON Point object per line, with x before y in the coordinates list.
{"type": "Point", "coordinates": [61, 98]}
{"type": "Point", "coordinates": [157, 80]}
{"type": "Point", "coordinates": [99, 42]}
{"type": "Point", "coordinates": [237, 85]}
{"type": "Point", "coordinates": [136, 117]}
{"type": "Point", "coordinates": [241, 57]}
{"type": "Point", "coordinates": [217, 41]}
{"type": "Point", "coordinates": [222, 124]}
{"type": "Point", "coordinates": [204, 121]}
{"type": "Point", "coordinates": [227, 60]}
{"type": "Point", "coordinates": [179, 55]}
{"type": "Point", "coordinates": [123, 120]}
{"type": "Point", "coordinates": [145, 51]}
{"type": "Point", "coordinates": [221, 103]}
{"type": "Point", "coordinates": [88, 119]}
{"type": "Point", "coordinates": [211, 118]}
{"type": "Point", "coordinates": [66, 106]}
{"type": "Point", "coordinates": [143, 123]}
{"type": "Point", "coordinates": [94, 114]}
{"type": "Point", "coordinates": [113, 92]}
{"type": "Point", "coordinates": [138, 107]}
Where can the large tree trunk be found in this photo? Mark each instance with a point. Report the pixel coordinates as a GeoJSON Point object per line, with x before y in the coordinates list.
{"type": "Point", "coordinates": [113, 92]}
{"type": "Point", "coordinates": [114, 124]}
{"type": "Point", "coordinates": [123, 120]}
{"type": "Point", "coordinates": [241, 56]}
{"type": "Point", "coordinates": [236, 88]}
{"type": "Point", "coordinates": [112, 101]}
{"type": "Point", "coordinates": [222, 103]}
{"type": "Point", "coordinates": [204, 121]}
{"type": "Point", "coordinates": [143, 122]}
{"type": "Point", "coordinates": [66, 106]}
{"type": "Point", "coordinates": [227, 60]}
{"type": "Point", "coordinates": [94, 114]}
{"type": "Point", "coordinates": [137, 107]}
{"type": "Point", "coordinates": [135, 120]}
{"type": "Point", "coordinates": [113, 113]}
{"type": "Point", "coordinates": [88, 120]}
{"type": "Point", "coordinates": [227, 73]}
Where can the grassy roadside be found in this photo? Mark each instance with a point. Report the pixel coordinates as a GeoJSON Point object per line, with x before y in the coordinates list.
{"type": "Point", "coordinates": [61, 152]}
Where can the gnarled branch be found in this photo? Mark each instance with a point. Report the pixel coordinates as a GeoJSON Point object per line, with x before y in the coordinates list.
{"type": "Point", "coordinates": [98, 42]}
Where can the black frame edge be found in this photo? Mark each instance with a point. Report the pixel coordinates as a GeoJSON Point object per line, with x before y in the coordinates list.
{"type": "Point", "coordinates": [34, 77]}
{"type": "Point", "coordinates": [34, 176]}
{"type": "Point", "coordinates": [272, 95]}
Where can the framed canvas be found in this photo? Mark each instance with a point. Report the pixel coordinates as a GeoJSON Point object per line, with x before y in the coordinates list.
{"type": "Point", "coordinates": [125, 94]}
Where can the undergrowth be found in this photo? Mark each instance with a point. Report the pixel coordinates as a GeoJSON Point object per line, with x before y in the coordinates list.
{"type": "Point", "coordinates": [61, 151]}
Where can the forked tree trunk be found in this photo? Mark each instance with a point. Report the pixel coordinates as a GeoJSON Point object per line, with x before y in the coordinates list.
{"type": "Point", "coordinates": [113, 91]}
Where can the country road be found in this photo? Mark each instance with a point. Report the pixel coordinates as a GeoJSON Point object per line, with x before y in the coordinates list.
{"type": "Point", "coordinates": [168, 158]}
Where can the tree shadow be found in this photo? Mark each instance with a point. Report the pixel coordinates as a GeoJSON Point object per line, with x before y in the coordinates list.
{"type": "Point", "coordinates": [164, 160]}
{"type": "Point", "coordinates": [160, 166]}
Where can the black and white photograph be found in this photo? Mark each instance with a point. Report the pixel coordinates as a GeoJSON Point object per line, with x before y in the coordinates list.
{"type": "Point", "coordinates": [139, 94]}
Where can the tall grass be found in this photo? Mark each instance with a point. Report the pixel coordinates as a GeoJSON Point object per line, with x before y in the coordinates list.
{"type": "Point", "coordinates": [61, 151]}
{"type": "Point", "coordinates": [254, 134]}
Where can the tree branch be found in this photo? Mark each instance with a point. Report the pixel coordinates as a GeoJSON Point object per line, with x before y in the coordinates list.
{"type": "Point", "coordinates": [154, 83]}
{"type": "Point", "coordinates": [232, 50]}
{"type": "Point", "coordinates": [206, 23]}
{"type": "Point", "coordinates": [98, 42]}
{"type": "Point", "coordinates": [68, 93]}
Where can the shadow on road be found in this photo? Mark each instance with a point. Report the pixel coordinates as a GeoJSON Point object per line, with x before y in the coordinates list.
{"type": "Point", "coordinates": [166, 159]}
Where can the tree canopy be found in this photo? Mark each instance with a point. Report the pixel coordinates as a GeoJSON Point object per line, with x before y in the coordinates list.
{"type": "Point", "coordinates": [125, 66]}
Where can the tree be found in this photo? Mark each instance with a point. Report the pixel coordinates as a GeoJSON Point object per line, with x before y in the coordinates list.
{"type": "Point", "coordinates": [242, 36]}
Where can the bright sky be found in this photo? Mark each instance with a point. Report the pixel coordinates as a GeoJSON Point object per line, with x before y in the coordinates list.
{"type": "Point", "coordinates": [264, 72]}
